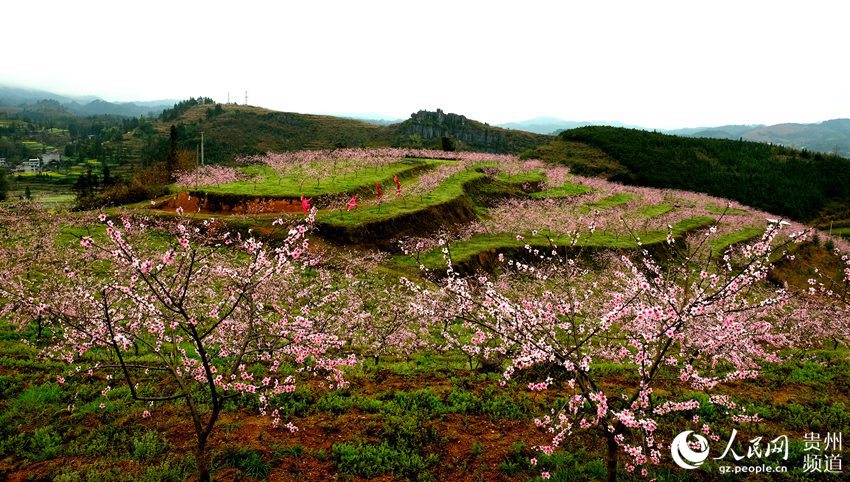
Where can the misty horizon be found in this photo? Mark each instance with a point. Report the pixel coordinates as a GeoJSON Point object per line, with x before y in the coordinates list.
{"type": "Point", "coordinates": [660, 64]}
{"type": "Point", "coordinates": [83, 98]}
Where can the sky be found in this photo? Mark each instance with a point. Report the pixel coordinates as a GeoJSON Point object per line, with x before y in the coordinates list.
{"type": "Point", "coordinates": [657, 64]}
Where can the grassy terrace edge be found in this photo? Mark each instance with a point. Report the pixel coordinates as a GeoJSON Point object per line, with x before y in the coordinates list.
{"type": "Point", "coordinates": [463, 251]}
{"type": "Point", "coordinates": [449, 190]}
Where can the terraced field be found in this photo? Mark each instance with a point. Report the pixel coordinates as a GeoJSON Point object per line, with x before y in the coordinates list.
{"type": "Point", "coordinates": [481, 204]}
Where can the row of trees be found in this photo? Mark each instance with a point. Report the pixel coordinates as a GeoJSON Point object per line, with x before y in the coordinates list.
{"type": "Point", "coordinates": [213, 315]}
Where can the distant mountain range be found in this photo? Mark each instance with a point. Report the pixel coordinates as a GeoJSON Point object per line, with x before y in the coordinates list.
{"type": "Point", "coordinates": [17, 97]}
{"type": "Point", "coordinates": [832, 136]}
{"type": "Point", "coordinates": [553, 125]}
{"type": "Point", "coordinates": [368, 117]}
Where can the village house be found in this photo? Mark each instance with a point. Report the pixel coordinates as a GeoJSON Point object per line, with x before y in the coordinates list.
{"type": "Point", "coordinates": [30, 165]}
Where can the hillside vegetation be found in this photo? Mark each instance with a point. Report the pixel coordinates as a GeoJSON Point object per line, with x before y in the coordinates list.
{"type": "Point", "coordinates": [232, 131]}
{"type": "Point", "coordinates": [798, 184]}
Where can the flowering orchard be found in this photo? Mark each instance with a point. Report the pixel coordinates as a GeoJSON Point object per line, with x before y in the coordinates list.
{"type": "Point", "coordinates": [349, 359]}
{"type": "Point", "coordinates": [209, 176]}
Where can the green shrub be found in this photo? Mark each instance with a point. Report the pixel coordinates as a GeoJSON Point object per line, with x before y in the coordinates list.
{"type": "Point", "coordinates": [462, 401]}
{"type": "Point", "coordinates": [249, 461]}
{"type": "Point", "coordinates": [172, 469]}
{"type": "Point", "coordinates": [295, 404]}
{"type": "Point", "coordinates": [334, 402]}
{"type": "Point", "coordinates": [517, 460]}
{"type": "Point", "coordinates": [372, 460]}
{"type": "Point", "coordinates": [45, 443]}
{"type": "Point", "coordinates": [149, 445]}
{"type": "Point", "coordinates": [425, 401]}
{"type": "Point", "coordinates": [501, 407]}
{"type": "Point", "coordinates": [407, 431]}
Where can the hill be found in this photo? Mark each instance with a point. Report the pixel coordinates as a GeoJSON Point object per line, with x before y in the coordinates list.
{"type": "Point", "coordinates": [798, 184]}
{"type": "Point", "coordinates": [235, 130]}
{"type": "Point", "coordinates": [426, 127]}
{"type": "Point", "coordinates": [832, 136]}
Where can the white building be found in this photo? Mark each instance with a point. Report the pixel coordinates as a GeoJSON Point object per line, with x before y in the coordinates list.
{"type": "Point", "coordinates": [31, 165]}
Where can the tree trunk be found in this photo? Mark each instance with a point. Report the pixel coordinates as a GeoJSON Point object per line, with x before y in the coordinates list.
{"type": "Point", "coordinates": [202, 462]}
{"type": "Point", "coordinates": [611, 459]}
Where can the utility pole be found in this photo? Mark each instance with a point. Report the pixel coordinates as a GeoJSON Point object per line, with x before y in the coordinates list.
{"type": "Point", "coordinates": [202, 148]}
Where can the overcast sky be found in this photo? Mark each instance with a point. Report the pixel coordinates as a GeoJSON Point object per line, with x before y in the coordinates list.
{"type": "Point", "coordinates": [651, 63]}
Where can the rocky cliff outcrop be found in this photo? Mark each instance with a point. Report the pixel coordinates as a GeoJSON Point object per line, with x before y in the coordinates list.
{"type": "Point", "coordinates": [427, 127]}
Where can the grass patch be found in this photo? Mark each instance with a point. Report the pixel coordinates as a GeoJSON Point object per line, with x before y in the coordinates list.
{"type": "Point", "coordinates": [149, 445]}
{"type": "Point", "coordinates": [522, 177]}
{"type": "Point", "coordinates": [567, 190]}
{"type": "Point", "coordinates": [38, 399]}
{"type": "Point", "coordinates": [715, 209]}
{"type": "Point", "coordinates": [608, 202]}
{"type": "Point", "coordinates": [43, 174]}
{"type": "Point", "coordinates": [719, 244]}
{"type": "Point", "coordinates": [653, 210]}
{"type": "Point", "coordinates": [248, 461]}
{"type": "Point", "coordinates": [845, 232]}
{"type": "Point", "coordinates": [372, 460]}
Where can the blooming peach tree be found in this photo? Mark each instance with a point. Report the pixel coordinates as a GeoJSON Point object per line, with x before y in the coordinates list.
{"type": "Point", "coordinates": [197, 314]}
{"type": "Point", "coordinates": [693, 319]}
{"type": "Point", "coordinates": [823, 304]}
